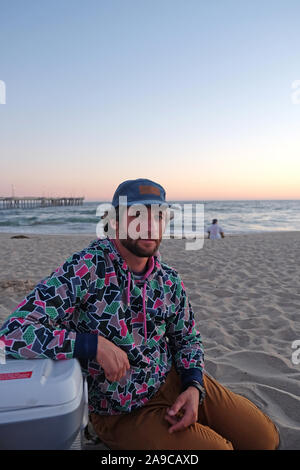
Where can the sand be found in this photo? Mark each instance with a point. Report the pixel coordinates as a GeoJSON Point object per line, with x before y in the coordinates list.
{"type": "Point", "coordinates": [245, 292]}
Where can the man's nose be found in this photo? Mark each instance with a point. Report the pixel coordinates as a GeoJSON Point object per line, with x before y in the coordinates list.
{"type": "Point", "coordinates": [149, 227]}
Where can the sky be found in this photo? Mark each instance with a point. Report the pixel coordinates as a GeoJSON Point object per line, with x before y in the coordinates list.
{"type": "Point", "coordinates": [195, 95]}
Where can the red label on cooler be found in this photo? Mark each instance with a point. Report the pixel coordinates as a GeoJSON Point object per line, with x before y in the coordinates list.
{"type": "Point", "coordinates": [15, 375]}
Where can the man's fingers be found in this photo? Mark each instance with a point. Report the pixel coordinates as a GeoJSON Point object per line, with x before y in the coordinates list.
{"type": "Point", "coordinates": [122, 373]}
{"type": "Point", "coordinates": [180, 422]}
{"type": "Point", "coordinates": [175, 421]}
{"type": "Point", "coordinates": [176, 407]}
{"type": "Point", "coordinates": [117, 374]}
{"type": "Point", "coordinates": [180, 425]}
{"type": "Point", "coordinates": [112, 359]}
{"type": "Point", "coordinates": [123, 370]}
{"type": "Point", "coordinates": [177, 425]}
{"type": "Point", "coordinates": [171, 420]}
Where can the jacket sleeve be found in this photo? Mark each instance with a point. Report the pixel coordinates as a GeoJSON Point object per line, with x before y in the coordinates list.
{"type": "Point", "coordinates": [36, 328]}
{"type": "Point", "coordinates": [184, 339]}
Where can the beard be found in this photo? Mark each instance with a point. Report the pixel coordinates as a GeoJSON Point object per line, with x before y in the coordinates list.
{"type": "Point", "coordinates": [140, 247]}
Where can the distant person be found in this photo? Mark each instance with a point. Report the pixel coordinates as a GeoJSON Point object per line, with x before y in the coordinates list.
{"type": "Point", "coordinates": [215, 231]}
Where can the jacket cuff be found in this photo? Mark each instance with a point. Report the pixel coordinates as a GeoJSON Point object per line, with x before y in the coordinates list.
{"type": "Point", "coordinates": [85, 346]}
{"type": "Point", "coordinates": [188, 375]}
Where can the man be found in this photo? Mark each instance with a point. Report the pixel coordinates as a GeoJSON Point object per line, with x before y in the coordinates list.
{"type": "Point", "coordinates": [125, 315]}
{"type": "Point", "coordinates": [215, 232]}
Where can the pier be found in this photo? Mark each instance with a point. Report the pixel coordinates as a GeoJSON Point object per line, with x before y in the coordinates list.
{"type": "Point", "coordinates": [34, 202]}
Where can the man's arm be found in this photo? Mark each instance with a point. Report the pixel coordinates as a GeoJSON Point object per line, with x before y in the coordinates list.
{"type": "Point", "coordinates": [36, 328]}
{"type": "Point", "coordinates": [186, 347]}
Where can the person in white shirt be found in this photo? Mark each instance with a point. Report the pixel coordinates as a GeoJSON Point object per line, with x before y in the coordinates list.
{"type": "Point", "coordinates": [215, 231]}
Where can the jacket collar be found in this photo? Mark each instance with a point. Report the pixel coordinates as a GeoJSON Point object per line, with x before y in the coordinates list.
{"type": "Point", "coordinates": [108, 245]}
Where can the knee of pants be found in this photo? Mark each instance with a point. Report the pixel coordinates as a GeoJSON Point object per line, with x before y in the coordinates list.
{"type": "Point", "coordinates": [266, 437]}
{"type": "Point", "coordinates": [271, 437]}
{"type": "Point", "coordinates": [196, 437]}
{"type": "Point", "coordinates": [219, 445]}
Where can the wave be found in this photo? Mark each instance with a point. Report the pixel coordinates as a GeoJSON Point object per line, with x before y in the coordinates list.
{"type": "Point", "coordinates": [33, 222]}
{"type": "Point", "coordinates": [233, 216]}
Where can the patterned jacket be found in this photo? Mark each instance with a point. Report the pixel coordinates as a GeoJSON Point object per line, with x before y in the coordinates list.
{"type": "Point", "coordinates": [94, 293]}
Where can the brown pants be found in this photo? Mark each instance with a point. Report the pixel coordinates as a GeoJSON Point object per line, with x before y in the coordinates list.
{"type": "Point", "coordinates": [226, 421]}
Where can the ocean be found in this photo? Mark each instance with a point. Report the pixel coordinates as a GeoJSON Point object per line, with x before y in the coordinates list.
{"type": "Point", "coordinates": [236, 217]}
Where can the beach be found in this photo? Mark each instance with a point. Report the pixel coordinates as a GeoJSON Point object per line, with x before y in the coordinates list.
{"type": "Point", "coordinates": [244, 290]}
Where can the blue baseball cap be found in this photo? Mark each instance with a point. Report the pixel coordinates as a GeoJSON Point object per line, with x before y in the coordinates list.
{"type": "Point", "coordinates": [140, 191]}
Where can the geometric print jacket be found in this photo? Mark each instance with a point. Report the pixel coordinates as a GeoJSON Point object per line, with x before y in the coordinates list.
{"type": "Point", "coordinates": [94, 293]}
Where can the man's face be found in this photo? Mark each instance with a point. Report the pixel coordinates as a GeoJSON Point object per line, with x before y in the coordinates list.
{"type": "Point", "coordinates": [141, 231]}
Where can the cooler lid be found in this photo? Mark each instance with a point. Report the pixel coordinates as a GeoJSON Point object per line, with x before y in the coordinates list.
{"type": "Point", "coordinates": [38, 382]}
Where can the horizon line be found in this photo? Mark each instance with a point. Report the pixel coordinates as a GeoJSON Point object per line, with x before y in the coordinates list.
{"type": "Point", "coordinates": [209, 199]}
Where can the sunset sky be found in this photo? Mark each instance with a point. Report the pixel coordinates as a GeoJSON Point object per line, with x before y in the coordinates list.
{"type": "Point", "coordinates": [196, 95]}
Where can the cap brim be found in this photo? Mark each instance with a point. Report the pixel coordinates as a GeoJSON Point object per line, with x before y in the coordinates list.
{"type": "Point", "coordinates": [149, 202]}
{"type": "Point", "coordinates": [144, 202]}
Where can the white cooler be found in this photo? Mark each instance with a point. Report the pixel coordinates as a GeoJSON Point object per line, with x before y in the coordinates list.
{"type": "Point", "coordinates": [43, 404]}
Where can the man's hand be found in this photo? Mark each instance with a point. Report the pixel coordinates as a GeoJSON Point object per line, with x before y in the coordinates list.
{"type": "Point", "coordinates": [112, 359]}
{"type": "Point", "coordinates": [184, 412]}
